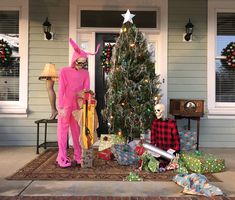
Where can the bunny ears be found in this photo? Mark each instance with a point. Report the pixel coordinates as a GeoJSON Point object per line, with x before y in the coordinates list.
{"type": "Point", "coordinates": [80, 51]}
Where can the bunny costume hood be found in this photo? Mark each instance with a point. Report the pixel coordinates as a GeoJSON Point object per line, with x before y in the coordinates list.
{"type": "Point", "coordinates": [79, 53]}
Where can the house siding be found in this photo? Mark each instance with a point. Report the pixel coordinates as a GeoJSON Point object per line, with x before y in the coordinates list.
{"type": "Point", "coordinates": [22, 131]}
{"type": "Point", "coordinates": [187, 69]}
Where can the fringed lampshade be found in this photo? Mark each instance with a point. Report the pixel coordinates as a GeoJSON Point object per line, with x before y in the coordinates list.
{"type": "Point", "coordinates": [49, 72]}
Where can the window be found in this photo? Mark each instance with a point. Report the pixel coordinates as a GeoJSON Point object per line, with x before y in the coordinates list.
{"type": "Point", "coordinates": [9, 56]}
{"type": "Point", "coordinates": [13, 57]}
{"type": "Point", "coordinates": [221, 59]}
{"type": "Point", "coordinates": [98, 18]}
{"type": "Point", "coordinates": [225, 57]}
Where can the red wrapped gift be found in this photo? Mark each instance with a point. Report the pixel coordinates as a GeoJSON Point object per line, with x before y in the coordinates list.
{"type": "Point", "coordinates": [139, 150]}
{"type": "Point", "coordinates": [105, 154]}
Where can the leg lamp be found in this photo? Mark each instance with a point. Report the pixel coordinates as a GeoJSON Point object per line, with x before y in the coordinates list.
{"type": "Point", "coordinates": [50, 76]}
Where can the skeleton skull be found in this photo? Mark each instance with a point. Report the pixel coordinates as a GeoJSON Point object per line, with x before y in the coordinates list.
{"type": "Point", "coordinates": [159, 111]}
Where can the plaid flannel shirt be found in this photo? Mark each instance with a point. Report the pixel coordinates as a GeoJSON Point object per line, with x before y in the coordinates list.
{"type": "Point", "coordinates": [165, 135]}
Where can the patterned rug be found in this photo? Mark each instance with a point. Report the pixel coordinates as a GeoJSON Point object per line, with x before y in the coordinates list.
{"type": "Point", "coordinates": [44, 167]}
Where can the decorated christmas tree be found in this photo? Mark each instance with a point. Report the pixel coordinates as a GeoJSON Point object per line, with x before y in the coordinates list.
{"type": "Point", "coordinates": [132, 85]}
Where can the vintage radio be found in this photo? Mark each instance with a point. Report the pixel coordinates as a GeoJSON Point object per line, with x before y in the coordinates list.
{"type": "Point", "coordinates": [187, 107]}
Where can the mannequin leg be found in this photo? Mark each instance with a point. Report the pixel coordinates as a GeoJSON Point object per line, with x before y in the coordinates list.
{"type": "Point", "coordinates": [52, 98]}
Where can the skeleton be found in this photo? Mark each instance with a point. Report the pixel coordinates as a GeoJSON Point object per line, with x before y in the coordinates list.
{"type": "Point", "coordinates": [159, 111]}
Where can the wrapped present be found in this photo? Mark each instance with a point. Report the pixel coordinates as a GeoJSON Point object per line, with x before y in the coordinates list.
{"type": "Point", "coordinates": [149, 163]}
{"type": "Point", "coordinates": [174, 163]}
{"type": "Point", "coordinates": [133, 177]}
{"type": "Point", "coordinates": [200, 162]}
{"type": "Point", "coordinates": [196, 184]}
{"type": "Point", "coordinates": [139, 150]}
{"type": "Point", "coordinates": [124, 154]}
{"type": "Point", "coordinates": [107, 140]}
{"type": "Point", "coordinates": [87, 158]}
{"type": "Point", "coordinates": [188, 140]}
{"type": "Point", "coordinates": [105, 154]}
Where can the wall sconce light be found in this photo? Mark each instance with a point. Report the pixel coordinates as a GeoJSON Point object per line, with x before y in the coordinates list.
{"type": "Point", "coordinates": [189, 32]}
{"type": "Point", "coordinates": [49, 75]}
{"type": "Point", "coordinates": [48, 35]}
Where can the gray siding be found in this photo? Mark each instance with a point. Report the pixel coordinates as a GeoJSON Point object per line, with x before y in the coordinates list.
{"type": "Point", "coordinates": [22, 131]}
{"type": "Point", "coordinates": [187, 69]}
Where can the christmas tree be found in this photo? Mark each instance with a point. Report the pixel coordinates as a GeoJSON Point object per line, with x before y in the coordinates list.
{"type": "Point", "coordinates": [132, 85]}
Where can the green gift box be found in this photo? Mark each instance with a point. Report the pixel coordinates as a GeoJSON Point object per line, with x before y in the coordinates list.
{"type": "Point", "coordinates": [107, 140]}
{"type": "Point", "coordinates": [200, 162]}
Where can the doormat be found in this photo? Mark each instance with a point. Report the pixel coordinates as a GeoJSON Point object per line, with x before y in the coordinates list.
{"type": "Point", "coordinates": [44, 167]}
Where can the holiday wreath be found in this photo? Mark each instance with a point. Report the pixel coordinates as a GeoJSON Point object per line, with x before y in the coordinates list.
{"type": "Point", "coordinates": [106, 57]}
{"type": "Point", "coordinates": [229, 53]}
{"type": "Point", "coordinates": [5, 53]}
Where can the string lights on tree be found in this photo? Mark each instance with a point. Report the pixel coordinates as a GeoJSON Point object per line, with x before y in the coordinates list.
{"type": "Point", "coordinates": [132, 85]}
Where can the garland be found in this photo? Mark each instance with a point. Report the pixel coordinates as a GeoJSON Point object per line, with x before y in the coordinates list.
{"type": "Point", "coordinates": [229, 53]}
{"type": "Point", "coordinates": [106, 57]}
{"type": "Point", "coordinates": [5, 53]}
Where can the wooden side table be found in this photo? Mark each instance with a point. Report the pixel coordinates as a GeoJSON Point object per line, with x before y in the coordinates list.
{"type": "Point", "coordinates": [45, 144]}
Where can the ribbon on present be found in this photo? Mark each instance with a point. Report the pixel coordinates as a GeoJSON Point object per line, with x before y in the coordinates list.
{"type": "Point", "coordinates": [139, 150]}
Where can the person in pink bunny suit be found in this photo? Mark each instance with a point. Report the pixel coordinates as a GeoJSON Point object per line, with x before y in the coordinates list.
{"type": "Point", "coordinates": [73, 80]}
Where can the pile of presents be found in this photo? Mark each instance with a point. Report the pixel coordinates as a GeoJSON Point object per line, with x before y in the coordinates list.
{"type": "Point", "coordinates": [153, 159]}
{"type": "Point", "coordinates": [189, 165]}
{"type": "Point", "coordinates": [161, 149]}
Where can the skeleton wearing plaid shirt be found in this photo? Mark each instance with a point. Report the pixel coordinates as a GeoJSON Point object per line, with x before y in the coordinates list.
{"type": "Point", "coordinates": [164, 134]}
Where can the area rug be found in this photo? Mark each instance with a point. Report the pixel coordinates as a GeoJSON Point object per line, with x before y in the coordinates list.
{"type": "Point", "coordinates": [44, 167]}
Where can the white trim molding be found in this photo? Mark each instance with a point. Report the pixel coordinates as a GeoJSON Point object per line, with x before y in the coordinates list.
{"type": "Point", "coordinates": [216, 110]}
{"type": "Point", "coordinates": [19, 108]}
{"type": "Point", "coordinates": [161, 6]}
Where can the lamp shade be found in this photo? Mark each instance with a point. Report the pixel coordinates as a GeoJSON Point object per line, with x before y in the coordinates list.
{"type": "Point", "coordinates": [49, 72]}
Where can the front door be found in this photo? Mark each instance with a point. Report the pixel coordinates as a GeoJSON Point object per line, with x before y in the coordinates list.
{"type": "Point", "coordinates": [88, 42]}
{"type": "Point", "coordinates": [104, 39]}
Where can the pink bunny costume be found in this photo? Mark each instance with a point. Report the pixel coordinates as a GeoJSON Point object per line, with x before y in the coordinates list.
{"type": "Point", "coordinates": [71, 82]}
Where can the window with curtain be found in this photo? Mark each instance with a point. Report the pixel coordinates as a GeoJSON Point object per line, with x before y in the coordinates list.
{"type": "Point", "coordinates": [225, 57]}
{"type": "Point", "coordinates": [9, 55]}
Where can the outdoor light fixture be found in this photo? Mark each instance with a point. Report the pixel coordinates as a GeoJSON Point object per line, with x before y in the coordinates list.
{"type": "Point", "coordinates": [189, 31]}
{"type": "Point", "coordinates": [49, 75]}
{"type": "Point", "coordinates": [48, 35]}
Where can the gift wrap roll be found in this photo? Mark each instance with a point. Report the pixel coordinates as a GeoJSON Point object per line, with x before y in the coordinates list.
{"type": "Point", "coordinates": [157, 150]}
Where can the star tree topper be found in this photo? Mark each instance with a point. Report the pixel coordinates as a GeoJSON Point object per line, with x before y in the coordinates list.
{"type": "Point", "coordinates": [128, 17]}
